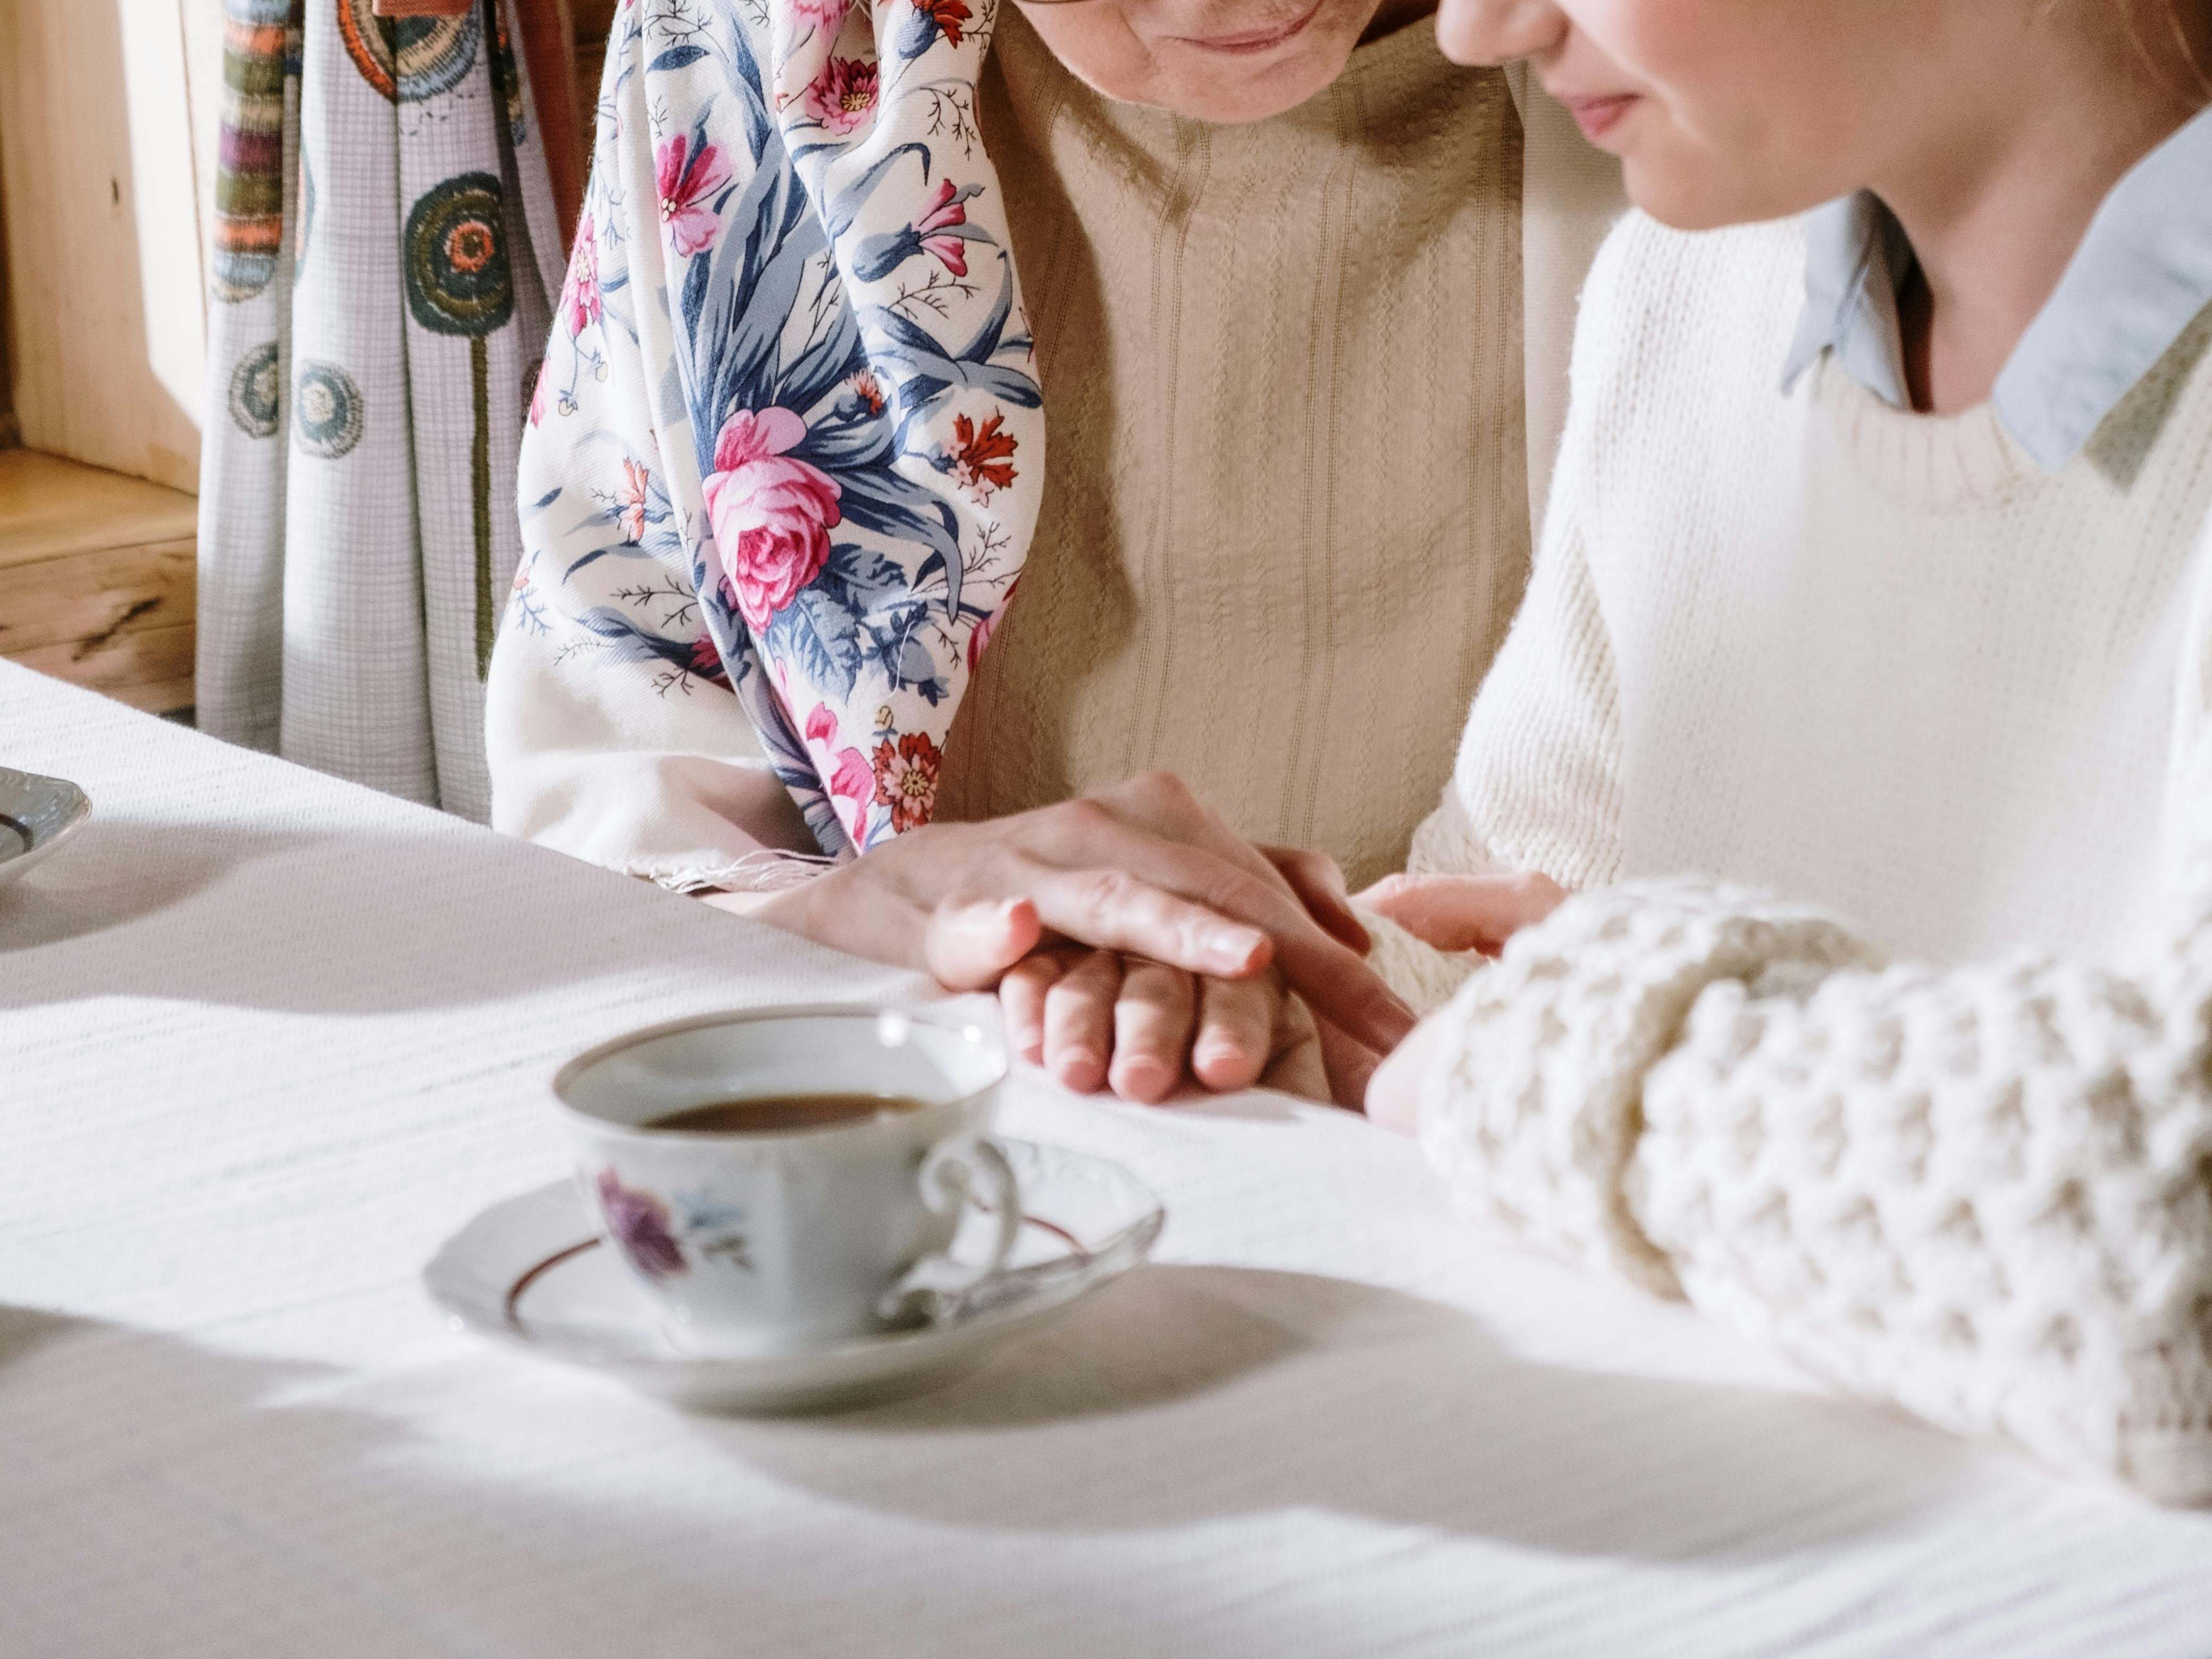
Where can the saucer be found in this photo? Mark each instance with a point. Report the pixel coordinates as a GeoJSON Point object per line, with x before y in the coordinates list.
{"type": "Point", "coordinates": [37, 815]}
{"type": "Point", "coordinates": [531, 1271]}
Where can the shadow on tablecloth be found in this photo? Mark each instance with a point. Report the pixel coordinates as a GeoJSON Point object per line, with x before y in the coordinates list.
{"type": "Point", "coordinates": [1235, 1391]}
{"type": "Point", "coordinates": [1169, 1472]}
{"type": "Point", "coordinates": [311, 920]}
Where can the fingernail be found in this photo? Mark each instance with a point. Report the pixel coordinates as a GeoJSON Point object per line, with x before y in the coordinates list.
{"type": "Point", "coordinates": [1144, 1079]}
{"type": "Point", "coordinates": [1078, 1069]}
{"type": "Point", "coordinates": [1235, 948]}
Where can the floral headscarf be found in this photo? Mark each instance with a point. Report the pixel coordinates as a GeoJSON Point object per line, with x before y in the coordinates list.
{"type": "Point", "coordinates": [788, 437]}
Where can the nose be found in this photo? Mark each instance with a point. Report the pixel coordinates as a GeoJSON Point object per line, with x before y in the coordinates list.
{"type": "Point", "coordinates": [1498, 31]}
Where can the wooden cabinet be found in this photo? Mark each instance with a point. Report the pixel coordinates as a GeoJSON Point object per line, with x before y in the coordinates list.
{"type": "Point", "coordinates": [96, 578]}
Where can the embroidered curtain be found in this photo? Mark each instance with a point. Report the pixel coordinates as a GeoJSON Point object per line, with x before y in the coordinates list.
{"type": "Point", "coordinates": [387, 248]}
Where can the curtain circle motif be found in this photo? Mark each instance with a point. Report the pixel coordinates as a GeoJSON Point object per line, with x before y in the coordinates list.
{"type": "Point", "coordinates": [409, 59]}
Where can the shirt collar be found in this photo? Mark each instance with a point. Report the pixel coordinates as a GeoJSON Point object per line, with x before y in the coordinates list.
{"type": "Point", "coordinates": [2141, 275]}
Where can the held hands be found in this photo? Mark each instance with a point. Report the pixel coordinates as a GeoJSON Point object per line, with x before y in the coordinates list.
{"type": "Point", "coordinates": [1096, 1018]}
{"type": "Point", "coordinates": [1141, 869]}
{"type": "Point", "coordinates": [1138, 937]}
{"type": "Point", "coordinates": [1100, 1019]}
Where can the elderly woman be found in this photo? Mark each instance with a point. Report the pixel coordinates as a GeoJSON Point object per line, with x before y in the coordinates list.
{"type": "Point", "coordinates": [787, 463]}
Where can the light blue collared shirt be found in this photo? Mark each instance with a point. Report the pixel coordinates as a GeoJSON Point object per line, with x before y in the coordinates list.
{"type": "Point", "coordinates": [2140, 277]}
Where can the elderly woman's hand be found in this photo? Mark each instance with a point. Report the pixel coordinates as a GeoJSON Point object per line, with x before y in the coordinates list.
{"type": "Point", "coordinates": [1142, 869]}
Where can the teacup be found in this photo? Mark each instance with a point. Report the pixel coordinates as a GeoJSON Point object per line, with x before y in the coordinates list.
{"type": "Point", "coordinates": [764, 1241]}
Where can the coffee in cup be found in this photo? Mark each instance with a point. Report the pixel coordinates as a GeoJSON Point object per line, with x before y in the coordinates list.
{"type": "Point", "coordinates": [783, 1178]}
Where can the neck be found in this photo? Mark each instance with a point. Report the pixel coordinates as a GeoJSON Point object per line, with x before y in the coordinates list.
{"type": "Point", "coordinates": [1996, 196]}
{"type": "Point", "coordinates": [1393, 15]}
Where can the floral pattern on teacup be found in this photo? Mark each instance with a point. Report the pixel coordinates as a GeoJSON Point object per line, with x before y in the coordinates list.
{"type": "Point", "coordinates": [652, 1233]}
{"type": "Point", "coordinates": [638, 1222]}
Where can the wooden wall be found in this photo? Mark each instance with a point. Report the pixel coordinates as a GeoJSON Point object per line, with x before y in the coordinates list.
{"type": "Point", "coordinates": [594, 21]}
{"type": "Point", "coordinates": [100, 159]}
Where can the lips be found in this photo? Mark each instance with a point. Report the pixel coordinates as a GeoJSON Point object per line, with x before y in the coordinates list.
{"type": "Point", "coordinates": [1254, 40]}
{"type": "Point", "coordinates": [1598, 115]}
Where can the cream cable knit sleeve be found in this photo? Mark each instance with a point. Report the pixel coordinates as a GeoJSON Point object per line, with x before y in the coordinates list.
{"type": "Point", "coordinates": [1985, 1193]}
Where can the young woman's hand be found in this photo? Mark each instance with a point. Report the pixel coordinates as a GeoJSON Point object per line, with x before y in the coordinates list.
{"type": "Point", "coordinates": [1465, 913]}
{"type": "Point", "coordinates": [1452, 913]}
{"type": "Point", "coordinates": [1142, 869]}
{"type": "Point", "coordinates": [1394, 1091]}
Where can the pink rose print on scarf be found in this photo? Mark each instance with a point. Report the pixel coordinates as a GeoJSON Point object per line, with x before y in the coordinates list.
{"type": "Point", "coordinates": [579, 295]}
{"type": "Point", "coordinates": [846, 772]}
{"type": "Point", "coordinates": [843, 95]}
{"type": "Point", "coordinates": [639, 1222]}
{"type": "Point", "coordinates": [688, 181]}
{"type": "Point", "coordinates": [772, 512]}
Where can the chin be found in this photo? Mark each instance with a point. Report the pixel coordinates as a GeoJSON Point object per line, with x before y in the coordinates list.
{"type": "Point", "coordinates": [1700, 198]}
{"type": "Point", "coordinates": [1226, 99]}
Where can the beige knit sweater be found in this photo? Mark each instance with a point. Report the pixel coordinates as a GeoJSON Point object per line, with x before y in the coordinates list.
{"type": "Point", "coordinates": [1879, 665]}
{"type": "Point", "coordinates": [1286, 506]}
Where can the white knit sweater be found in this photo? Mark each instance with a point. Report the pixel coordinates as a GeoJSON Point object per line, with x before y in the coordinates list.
{"type": "Point", "coordinates": [1879, 665]}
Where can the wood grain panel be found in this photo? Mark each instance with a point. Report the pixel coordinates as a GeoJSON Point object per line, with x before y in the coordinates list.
{"type": "Point", "coordinates": [92, 597]}
{"type": "Point", "coordinates": [151, 669]}
{"type": "Point", "coordinates": [97, 579]}
{"type": "Point", "coordinates": [50, 507]}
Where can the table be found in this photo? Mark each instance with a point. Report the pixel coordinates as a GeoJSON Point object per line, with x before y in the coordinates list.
{"type": "Point", "coordinates": [266, 1039]}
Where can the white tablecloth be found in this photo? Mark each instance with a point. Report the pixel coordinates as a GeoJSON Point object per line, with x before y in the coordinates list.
{"type": "Point", "coordinates": [265, 1039]}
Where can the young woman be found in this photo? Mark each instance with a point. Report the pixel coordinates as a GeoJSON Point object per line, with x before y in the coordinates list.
{"type": "Point", "coordinates": [785, 464]}
{"type": "Point", "coordinates": [1877, 587]}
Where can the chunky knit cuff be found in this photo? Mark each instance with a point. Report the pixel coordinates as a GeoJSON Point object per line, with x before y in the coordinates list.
{"type": "Point", "coordinates": [1980, 1194]}
{"type": "Point", "coordinates": [1533, 1102]}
